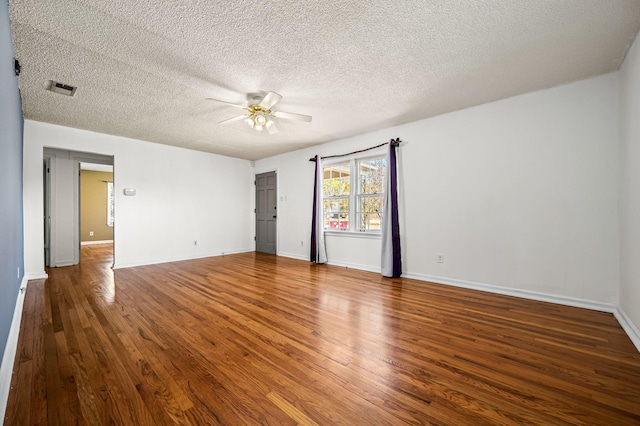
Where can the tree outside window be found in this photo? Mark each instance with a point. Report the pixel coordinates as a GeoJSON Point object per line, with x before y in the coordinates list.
{"type": "Point", "coordinates": [336, 192]}
{"type": "Point", "coordinates": [371, 179]}
{"type": "Point", "coordinates": [367, 177]}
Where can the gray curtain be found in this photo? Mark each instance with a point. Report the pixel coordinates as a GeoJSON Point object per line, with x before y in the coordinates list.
{"type": "Point", "coordinates": [391, 260]}
{"type": "Point", "coordinates": [318, 250]}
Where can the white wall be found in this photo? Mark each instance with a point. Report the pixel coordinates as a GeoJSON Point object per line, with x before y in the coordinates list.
{"type": "Point", "coordinates": [630, 186]}
{"type": "Point", "coordinates": [519, 193]}
{"type": "Point", "coordinates": [182, 196]}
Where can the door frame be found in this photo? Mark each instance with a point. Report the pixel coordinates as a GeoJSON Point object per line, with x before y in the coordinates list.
{"type": "Point", "coordinates": [47, 165]}
{"type": "Point", "coordinates": [50, 155]}
{"type": "Point", "coordinates": [255, 208]}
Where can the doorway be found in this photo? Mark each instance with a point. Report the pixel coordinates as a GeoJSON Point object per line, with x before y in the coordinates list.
{"type": "Point", "coordinates": [266, 212]}
{"type": "Point", "coordinates": [97, 208]}
{"type": "Point", "coordinates": [62, 203]}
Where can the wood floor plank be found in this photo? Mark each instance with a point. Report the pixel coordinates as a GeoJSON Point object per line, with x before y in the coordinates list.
{"type": "Point", "coordinates": [259, 339]}
{"type": "Point", "coordinates": [291, 410]}
{"type": "Point", "coordinates": [202, 385]}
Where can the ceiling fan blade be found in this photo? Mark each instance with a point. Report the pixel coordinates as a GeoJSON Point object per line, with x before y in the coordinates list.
{"type": "Point", "coordinates": [270, 100]}
{"type": "Point", "coordinates": [272, 128]}
{"type": "Point", "coordinates": [231, 120]}
{"type": "Point", "coordinates": [225, 102]}
{"type": "Point", "coordinates": [292, 116]}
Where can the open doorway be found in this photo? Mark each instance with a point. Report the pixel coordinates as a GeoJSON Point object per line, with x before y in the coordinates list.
{"type": "Point", "coordinates": [97, 208]}
{"type": "Point", "coordinates": [62, 204]}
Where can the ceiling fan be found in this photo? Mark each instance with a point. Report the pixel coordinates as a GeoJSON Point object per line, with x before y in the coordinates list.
{"type": "Point", "coordinates": [259, 116]}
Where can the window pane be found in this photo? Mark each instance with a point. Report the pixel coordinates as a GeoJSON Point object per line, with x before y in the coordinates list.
{"type": "Point", "coordinates": [336, 213]}
{"type": "Point", "coordinates": [371, 182]}
{"type": "Point", "coordinates": [336, 180]}
{"type": "Point", "coordinates": [369, 213]}
{"type": "Point", "coordinates": [372, 174]}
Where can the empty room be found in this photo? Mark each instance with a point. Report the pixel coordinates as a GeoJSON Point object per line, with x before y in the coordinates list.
{"type": "Point", "coordinates": [320, 213]}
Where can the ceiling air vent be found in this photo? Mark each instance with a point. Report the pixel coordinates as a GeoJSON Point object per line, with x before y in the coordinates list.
{"type": "Point", "coordinates": [63, 89]}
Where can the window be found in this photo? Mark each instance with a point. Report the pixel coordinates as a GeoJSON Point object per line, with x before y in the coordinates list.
{"type": "Point", "coordinates": [111, 199]}
{"type": "Point", "coordinates": [336, 189]}
{"type": "Point", "coordinates": [353, 194]}
{"type": "Point", "coordinates": [371, 178]}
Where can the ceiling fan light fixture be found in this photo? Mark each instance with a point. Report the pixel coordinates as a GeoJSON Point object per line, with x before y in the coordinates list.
{"type": "Point", "coordinates": [260, 119]}
{"type": "Point", "coordinates": [259, 116]}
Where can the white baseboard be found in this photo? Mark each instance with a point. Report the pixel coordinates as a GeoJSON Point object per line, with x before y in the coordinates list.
{"type": "Point", "coordinates": [525, 294]}
{"type": "Point", "coordinates": [8, 359]}
{"type": "Point", "coordinates": [37, 276]}
{"type": "Point", "coordinates": [360, 267]}
{"type": "Point", "coordinates": [123, 265]}
{"type": "Point", "coordinates": [628, 326]}
{"type": "Point", "coordinates": [88, 243]}
{"type": "Point", "coordinates": [367, 268]}
{"type": "Point", "coordinates": [625, 322]}
{"type": "Point", "coordinates": [623, 319]}
{"type": "Point", "coordinates": [293, 256]}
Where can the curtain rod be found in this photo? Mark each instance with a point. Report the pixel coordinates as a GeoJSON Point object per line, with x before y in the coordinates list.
{"type": "Point", "coordinates": [394, 142]}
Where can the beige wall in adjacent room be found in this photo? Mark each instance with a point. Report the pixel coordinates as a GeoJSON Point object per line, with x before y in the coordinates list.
{"type": "Point", "coordinates": [93, 206]}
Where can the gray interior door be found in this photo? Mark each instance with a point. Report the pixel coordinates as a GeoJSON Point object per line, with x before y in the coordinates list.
{"type": "Point", "coordinates": [266, 212]}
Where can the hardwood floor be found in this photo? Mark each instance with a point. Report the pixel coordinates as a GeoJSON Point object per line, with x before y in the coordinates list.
{"type": "Point", "coordinates": [259, 339]}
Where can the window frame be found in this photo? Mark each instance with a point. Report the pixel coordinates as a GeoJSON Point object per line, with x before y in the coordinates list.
{"type": "Point", "coordinates": [111, 196]}
{"type": "Point", "coordinates": [354, 193]}
{"type": "Point", "coordinates": [337, 198]}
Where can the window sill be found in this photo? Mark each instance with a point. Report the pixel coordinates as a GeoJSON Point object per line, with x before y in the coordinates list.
{"type": "Point", "coordinates": [354, 234]}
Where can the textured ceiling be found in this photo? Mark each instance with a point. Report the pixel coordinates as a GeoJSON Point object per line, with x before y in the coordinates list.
{"type": "Point", "coordinates": [144, 68]}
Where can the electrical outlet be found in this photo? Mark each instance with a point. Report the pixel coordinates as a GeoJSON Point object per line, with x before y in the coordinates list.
{"type": "Point", "coordinates": [301, 243]}
{"type": "Point", "coordinates": [91, 233]}
{"type": "Point", "coordinates": [440, 258]}
{"type": "Point", "coordinates": [195, 242]}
